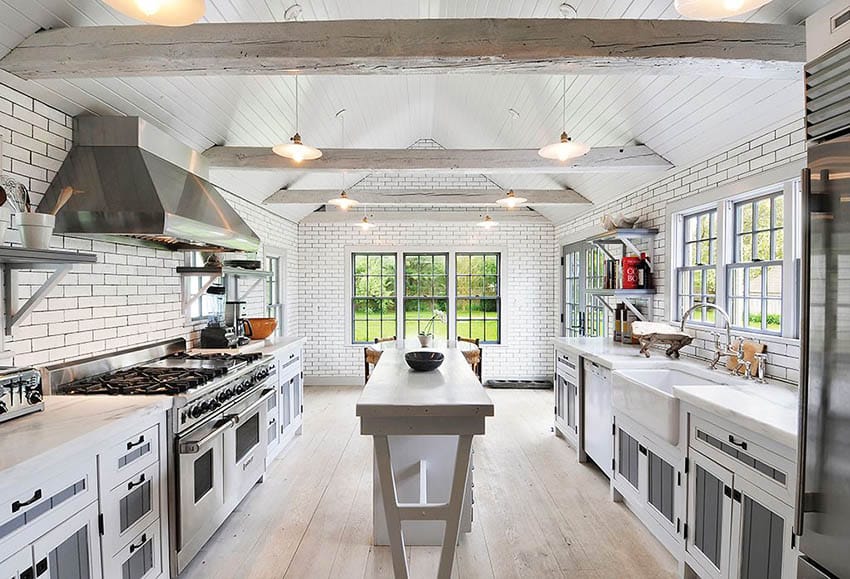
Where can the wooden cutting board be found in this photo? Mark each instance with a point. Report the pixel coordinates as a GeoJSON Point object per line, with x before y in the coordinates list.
{"type": "Point", "coordinates": [750, 350]}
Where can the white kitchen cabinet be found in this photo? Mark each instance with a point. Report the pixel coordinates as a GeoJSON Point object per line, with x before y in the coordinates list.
{"type": "Point", "coordinates": [285, 418]}
{"type": "Point", "coordinates": [71, 550]}
{"type": "Point", "coordinates": [709, 525]}
{"type": "Point", "coordinates": [141, 558]}
{"type": "Point", "coordinates": [598, 418]}
{"type": "Point", "coordinates": [129, 508]}
{"type": "Point", "coordinates": [567, 413]}
{"type": "Point", "coordinates": [18, 566]}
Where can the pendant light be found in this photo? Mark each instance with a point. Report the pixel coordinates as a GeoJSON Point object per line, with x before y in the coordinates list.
{"type": "Point", "coordinates": [296, 150]}
{"type": "Point", "coordinates": [365, 224]}
{"type": "Point", "coordinates": [161, 12]}
{"type": "Point", "coordinates": [344, 202]}
{"type": "Point", "coordinates": [714, 9]}
{"type": "Point", "coordinates": [487, 222]}
{"type": "Point", "coordinates": [511, 201]}
{"type": "Point", "coordinates": [565, 148]}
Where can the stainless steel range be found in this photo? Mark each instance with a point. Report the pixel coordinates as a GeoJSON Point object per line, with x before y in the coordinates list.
{"type": "Point", "coordinates": [20, 392]}
{"type": "Point", "coordinates": [217, 425]}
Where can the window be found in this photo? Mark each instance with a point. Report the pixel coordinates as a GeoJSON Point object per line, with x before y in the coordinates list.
{"type": "Point", "coordinates": [595, 322]}
{"type": "Point", "coordinates": [477, 296]}
{"type": "Point", "coordinates": [696, 278]}
{"type": "Point", "coordinates": [373, 301]}
{"type": "Point", "coordinates": [274, 292]}
{"type": "Point", "coordinates": [426, 295]}
{"type": "Point", "coordinates": [755, 273]}
{"type": "Point", "coordinates": [206, 305]}
{"type": "Point", "coordinates": [573, 292]}
{"type": "Point", "coordinates": [742, 254]}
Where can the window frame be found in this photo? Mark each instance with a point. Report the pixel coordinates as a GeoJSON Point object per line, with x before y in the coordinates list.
{"type": "Point", "coordinates": [497, 298]}
{"type": "Point", "coordinates": [192, 284]}
{"type": "Point", "coordinates": [714, 237]}
{"type": "Point", "coordinates": [352, 284]}
{"type": "Point", "coordinates": [419, 298]}
{"type": "Point", "coordinates": [275, 262]}
{"type": "Point", "coordinates": [400, 251]}
{"type": "Point", "coordinates": [724, 199]}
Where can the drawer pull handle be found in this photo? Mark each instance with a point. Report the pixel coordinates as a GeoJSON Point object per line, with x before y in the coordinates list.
{"type": "Point", "coordinates": [131, 444]}
{"type": "Point", "coordinates": [132, 484]}
{"type": "Point", "coordinates": [18, 505]}
{"type": "Point", "coordinates": [741, 444]}
{"type": "Point", "coordinates": [141, 544]}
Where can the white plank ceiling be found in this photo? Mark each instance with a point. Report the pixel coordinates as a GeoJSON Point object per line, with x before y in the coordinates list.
{"type": "Point", "coordinates": [682, 118]}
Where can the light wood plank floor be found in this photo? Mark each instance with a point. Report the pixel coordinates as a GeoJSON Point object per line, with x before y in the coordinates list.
{"type": "Point", "coordinates": [538, 513]}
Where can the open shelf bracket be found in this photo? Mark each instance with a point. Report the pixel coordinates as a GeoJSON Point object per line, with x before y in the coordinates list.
{"type": "Point", "coordinates": [14, 315]}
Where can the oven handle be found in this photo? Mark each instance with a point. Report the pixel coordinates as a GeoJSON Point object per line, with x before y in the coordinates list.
{"type": "Point", "coordinates": [194, 446]}
{"type": "Point", "coordinates": [264, 396]}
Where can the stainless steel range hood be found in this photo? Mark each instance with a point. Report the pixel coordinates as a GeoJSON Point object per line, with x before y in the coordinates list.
{"type": "Point", "coordinates": [140, 186]}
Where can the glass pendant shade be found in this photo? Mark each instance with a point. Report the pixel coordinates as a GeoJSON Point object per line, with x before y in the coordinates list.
{"type": "Point", "coordinates": [564, 149]}
{"type": "Point", "coordinates": [344, 202]}
{"type": "Point", "coordinates": [161, 12]}
{"type": "Point", "coordinates": [487, 222]}
{"type": "Point", "coordinates": [365, 225]}
{"type": "Point", "coordinates": [714, 9]}
{"type": "Point", "coordinates": [297, 151]}
{"type": "Point", "coordinates": [511, 201]}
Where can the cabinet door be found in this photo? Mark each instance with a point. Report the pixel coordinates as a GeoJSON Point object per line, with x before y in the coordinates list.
{"type": "Point", "coordinates": [709, 515]}
{"type": "Point", "coordinates": [18, 566]}
{"type": "Point", "coordinates": [129, 508]}
{"type": "Point", "coordinates": [761, 534]}
{"type": "Point", "coordinates": [286, 404]}
{"type": "Point", "coordinates": [628, 458]}
{"type": "Point", "coordinates": [560, 399]}
{"type": "Point", "coordinates": [661, 487]}
{"type": "Point", "coordinates": [71, 550]}
{"type": "Point", "coordinates": [297, 395]}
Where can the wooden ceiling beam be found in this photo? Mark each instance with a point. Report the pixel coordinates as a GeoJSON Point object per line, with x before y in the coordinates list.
{"type": "Point", "coordinates": [464, 161]}
{"type": "Point", "coordinates": [456, 197]}
{"type": "Point", "coordinates": [431, 46]}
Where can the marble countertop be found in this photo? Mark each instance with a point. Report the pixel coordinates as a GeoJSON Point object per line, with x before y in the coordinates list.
{"type": "Point", "coordinates": [768, 409]}
{"type": "Point", "coordinates": [69, 423]}
{"type": "Point", "coordinates": [268, 346]}
{"type": "Point", "coordinates": [394, 390]}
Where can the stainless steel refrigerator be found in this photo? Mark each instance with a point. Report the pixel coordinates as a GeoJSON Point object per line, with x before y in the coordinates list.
{"type": "Point", "coordinates": [823, 498]}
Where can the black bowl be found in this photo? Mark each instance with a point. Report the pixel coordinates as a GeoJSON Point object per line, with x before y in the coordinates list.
{"type": "Point", "coordinates": [424, 361]}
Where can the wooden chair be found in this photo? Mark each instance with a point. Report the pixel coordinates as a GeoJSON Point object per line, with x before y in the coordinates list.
{"type": "Point", "coordinates": [371, 356]}
{"type": "Point", "coordinates": [473, 356]}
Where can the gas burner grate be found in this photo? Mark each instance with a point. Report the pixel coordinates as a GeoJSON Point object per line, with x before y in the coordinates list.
{"type": "Point", "coordinates": [221, 356]}
{"type": "Point", "coordinates": [149, 381]}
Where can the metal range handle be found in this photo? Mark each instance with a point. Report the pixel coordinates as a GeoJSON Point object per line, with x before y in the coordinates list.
{"type": "Point", "coordinates": [194, 446]}
{"type": "Point", "coordinates": [802, 418]}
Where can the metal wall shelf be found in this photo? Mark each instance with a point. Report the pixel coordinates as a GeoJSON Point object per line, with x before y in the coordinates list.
{"type": "Point", "coordinates": [13, 259]}
{"type": "Point", "coordinates": [224, 273]}
{"type": "Point", "coordinates": [222, 270]}
{"type": "Point", "coordinates": [622, 293]}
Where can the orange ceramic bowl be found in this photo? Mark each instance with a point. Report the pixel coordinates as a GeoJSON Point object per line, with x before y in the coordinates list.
{"type": "Point", "coordinates": [260, 328]}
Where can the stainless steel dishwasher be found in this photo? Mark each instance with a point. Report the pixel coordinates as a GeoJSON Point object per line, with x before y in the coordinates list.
{"type": "Point", "coordinates": [598, 440]}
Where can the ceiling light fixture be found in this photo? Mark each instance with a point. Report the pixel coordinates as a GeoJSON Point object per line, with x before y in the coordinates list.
{"type": "Point", "coordinates": [292, 13]}
{"type": "Point", "coordinates": [296, 150]}
{"type": "Point", "coordinates": [714, 9]}
{"type": "Point", "coordinates": [511, 201]}
{"type": "Point", "coordinates": [487, 222]}
{"type": "Point", "coordinates": [344, 202]}
{"type": "Point", "coordinates": [365, 224]}
{"type": "Point", "coordinates": [161, 12]}
{"type": "Point", "coordinates": [565, 148]}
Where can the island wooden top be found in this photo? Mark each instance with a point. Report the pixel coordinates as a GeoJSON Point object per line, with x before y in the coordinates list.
{"type": "Point", "coordinates": [396, 391]}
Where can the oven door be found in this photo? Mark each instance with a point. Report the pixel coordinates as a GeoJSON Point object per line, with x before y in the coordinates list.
{"type": "Point", "coordinates": [201, 485]}
{"type": "Point", "coordinates": [245, 447]}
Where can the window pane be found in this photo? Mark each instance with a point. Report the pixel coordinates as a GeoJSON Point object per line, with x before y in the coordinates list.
{"type": "Point", "coordinates": [737, 311]}
{"type": "Point", "coordinates": [711, 282]}
{"type": "Point", "coordinates": [779, 211]}
{"type": "Point", "coordinates": [745, 248]}
{"type": "Point", "coordinates": [691, 228]}
{"type": "Point", "coordinates": [754, 314]}
{"type": "Point", "coordinates": [478, 277]}
{"type": "Point", "coordinates": [774, 315]}
{"type": "Point", "coordinates": [774, 281]}
{"type": "Point", "coordinates": [697, 286]}
{"type": "Point", "coordinates": [477, 265]}
{"type": "Point", "coordinates": [491, 283]}
{"type": "Point", "coordinates": [763, 245]}
{"type": "Point", "coordinates": [763, 210]}
{"type": "Point", "coordinates": [373, 304]}
{"type": "Point", "coordinates": [360, 264]}
{"type": "Point", "coordinates": [736, 283]}
{"type": "Point", "coordinates": [744, 217]}
{"type": "Point", "coordinates": [704, 226]}
{"type": "Point", "coordinates": [685, 283]}
{"type": "Point", "coordinates": [691, 254]}
{"type": "Point", "coordinates": [754, 282]}
{"type": "Point", "coordinates": [778, 244]}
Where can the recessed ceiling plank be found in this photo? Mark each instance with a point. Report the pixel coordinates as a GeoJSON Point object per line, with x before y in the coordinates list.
{"type": "Point", "coordinates": [457, 197]}
{"type": "Point", "coordinates": [539, 46]}
{"type": "Point", "coordinates": [462, 161]}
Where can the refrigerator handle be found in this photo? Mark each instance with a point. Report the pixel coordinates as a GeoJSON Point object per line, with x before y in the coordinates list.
{"type": "Point", "coordinates": [802, 417]}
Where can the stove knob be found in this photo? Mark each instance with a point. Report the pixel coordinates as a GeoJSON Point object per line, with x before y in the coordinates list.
{"type": "Point", "coordinates": [205, 406]}
{"type": "Point", "coordinates": [195, 411]}
{"type": "Point", "coordinates": [221, 396]}
{"type": "Point", "coordinates": [214, 405]}
{"type": "Point", "coordinates": [34, 397]}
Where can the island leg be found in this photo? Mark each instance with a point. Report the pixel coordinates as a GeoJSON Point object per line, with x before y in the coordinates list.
{"type": "Point", "coordinates": [391, 509]}
{"type": "Point", "coordinates": [455, 506]}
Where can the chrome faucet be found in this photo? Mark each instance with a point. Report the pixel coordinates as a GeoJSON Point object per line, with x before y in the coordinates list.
{"type": "Point", "coordinates": [719, 352]}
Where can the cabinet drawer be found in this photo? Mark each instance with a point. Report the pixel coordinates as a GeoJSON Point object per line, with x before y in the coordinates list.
{"type": "Point", "coordinates": [60, 493]}
{"type": "Point", "coordinates": [141, 558]}
{"type": "Point", "coordinates": [129, 456]}
{"type": "Point", "coordinates": [567, 364]}
{"type": "Point", "coordinates": [739, 453]}
{"type": "Point", "coordinates": [289, 366]}
{"type": "Point", "coordinates": [129, 508]}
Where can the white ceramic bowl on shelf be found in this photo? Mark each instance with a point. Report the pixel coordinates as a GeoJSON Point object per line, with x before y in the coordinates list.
{"type": "Point", "coordinates": [36, 229]}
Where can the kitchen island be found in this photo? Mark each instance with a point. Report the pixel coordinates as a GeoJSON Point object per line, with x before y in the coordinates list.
{"type": "Point", "coordinates": [422, 424]}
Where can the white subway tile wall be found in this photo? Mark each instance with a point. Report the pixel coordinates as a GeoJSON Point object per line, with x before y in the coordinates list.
{"type": "Point", "coordinates": [132, 295]}
{"type": "Point", "coordinates": [529, 294]}
{"type": "Point", "coordinates": [772, 149]}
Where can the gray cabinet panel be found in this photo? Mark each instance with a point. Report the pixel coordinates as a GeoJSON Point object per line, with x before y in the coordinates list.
{"type": "Point", "coordinates": [661, 485]}
{"type": "Point", "coordinates": [70, 560]}
{"type": "Point", "coordinates": [140, 562]}
{"type": "Point", "coordinates": [628, 459]}
{"type": "Point", "coordinates": [708, 508]}
{"type": "Point", "coordinates": [762, 541]}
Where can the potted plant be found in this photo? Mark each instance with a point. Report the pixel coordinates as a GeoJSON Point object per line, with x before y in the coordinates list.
{"type": "Point", "coordinates": [426, 334]}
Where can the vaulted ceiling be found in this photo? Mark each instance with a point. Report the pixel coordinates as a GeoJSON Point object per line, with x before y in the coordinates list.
{"type": "Point", "coordinates": [681, 118]}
